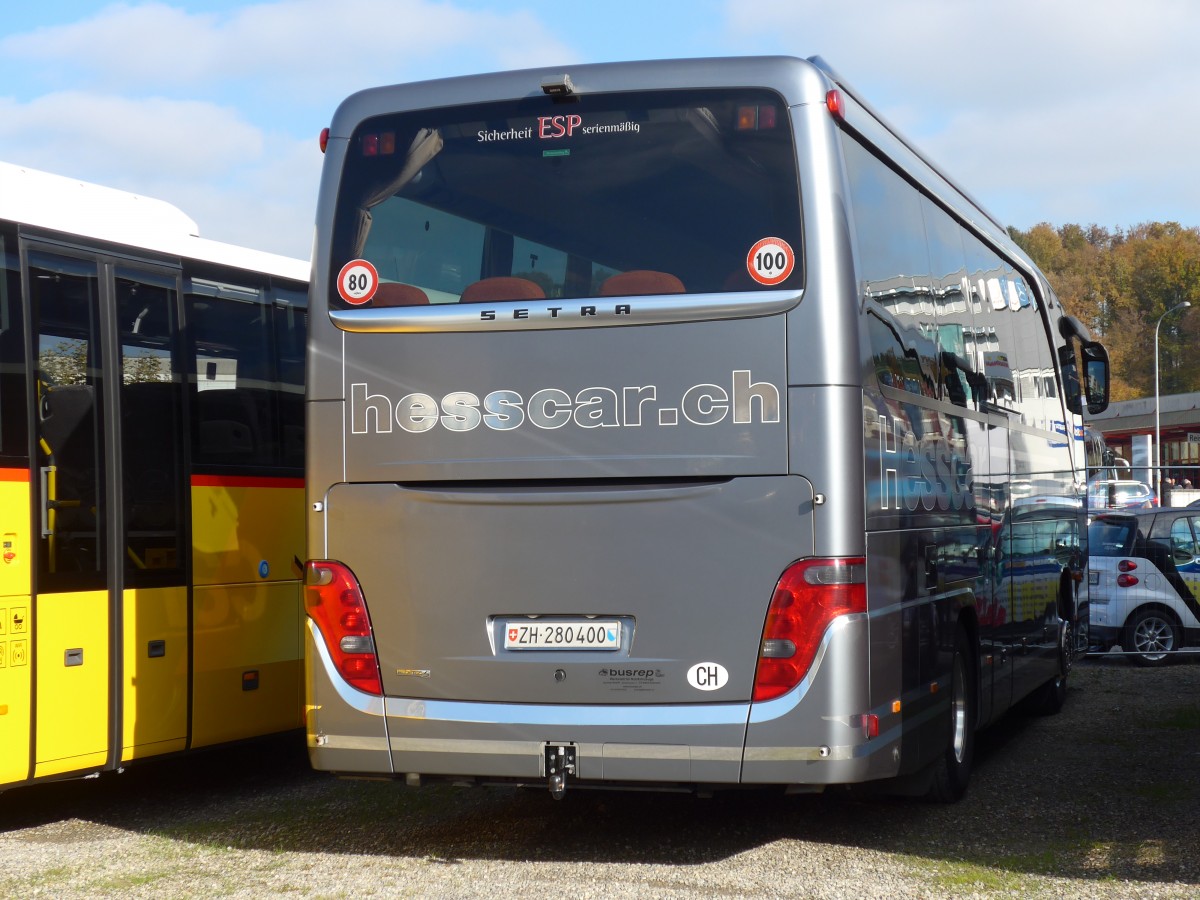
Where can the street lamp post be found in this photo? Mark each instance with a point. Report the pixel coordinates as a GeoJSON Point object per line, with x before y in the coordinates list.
{"type": "Point", "coordinates": [1157, 428]}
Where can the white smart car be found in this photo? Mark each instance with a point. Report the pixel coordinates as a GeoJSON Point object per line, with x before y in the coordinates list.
{"type": "Point", "coordinates": [1144, 580]}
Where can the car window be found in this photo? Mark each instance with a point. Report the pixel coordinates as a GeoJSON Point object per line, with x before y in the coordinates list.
{"type": "Point", "coordinates": [1111, 536]}
{"type": "Point", "coordinates": [1183, 541]}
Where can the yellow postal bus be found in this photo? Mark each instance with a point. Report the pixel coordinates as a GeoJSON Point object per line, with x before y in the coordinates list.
{"type": "Point", "coordinates": [151, 482]}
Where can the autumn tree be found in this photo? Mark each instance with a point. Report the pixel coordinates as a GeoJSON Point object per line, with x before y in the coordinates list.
{"type": "Point", "coordinates": [1119, 283]}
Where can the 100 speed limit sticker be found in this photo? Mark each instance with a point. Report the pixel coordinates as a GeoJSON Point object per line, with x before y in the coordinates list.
{"type": "Point", "coordinates": [357, 282]}
{"type": "Point", "coordinates": [770, 261]}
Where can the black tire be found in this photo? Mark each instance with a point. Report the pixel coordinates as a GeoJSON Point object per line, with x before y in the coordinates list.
{"type": "Point", "coordinates": [952, 770]}
{"type": "Point", "coordinates": [1151, 634]}
{"type": "Point", "coordinates": [1048, 700]}
{"type": "Point", "coordinates": [1083, 632]}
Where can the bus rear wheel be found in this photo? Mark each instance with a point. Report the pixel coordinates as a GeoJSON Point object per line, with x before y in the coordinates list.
{"type": "Point", "coordinates": [952, 770]}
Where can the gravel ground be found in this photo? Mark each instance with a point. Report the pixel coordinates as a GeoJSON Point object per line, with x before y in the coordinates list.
{"type": "Point", "coordinates": [1101, 801]}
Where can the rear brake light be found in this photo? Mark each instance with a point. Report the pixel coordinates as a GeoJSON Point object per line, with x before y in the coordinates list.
{"type": "Point", "coordinates": [808, 597]}
{"type": "Point", "coordinates": [1126, 565]}
{"type": "Point", "coordinates": [1126, 580]}
{"type": "Point", "coordinates": [335, 602]}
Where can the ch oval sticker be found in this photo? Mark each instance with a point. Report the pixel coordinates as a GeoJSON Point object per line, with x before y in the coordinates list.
{"type": "Point", "coordinates": [708, 676]}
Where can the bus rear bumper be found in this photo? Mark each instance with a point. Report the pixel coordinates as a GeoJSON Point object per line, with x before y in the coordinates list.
{"type": "Point", "coordinates": [353, 733]}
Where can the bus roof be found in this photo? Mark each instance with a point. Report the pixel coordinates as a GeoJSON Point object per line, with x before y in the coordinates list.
{"type": "Point", "coordinates": [43, 200]}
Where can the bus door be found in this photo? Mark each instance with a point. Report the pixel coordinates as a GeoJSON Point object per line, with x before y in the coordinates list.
{"type": "Point", "coordinates": [109, 613]}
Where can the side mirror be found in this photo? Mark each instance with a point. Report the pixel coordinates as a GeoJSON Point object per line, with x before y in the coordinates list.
{"type": "Point", "coordinates": [1096, 376]}
{"type": "Point", "coordinates": [1070, 379]}
{"type": "Point", "coordinates": [1095, 383]}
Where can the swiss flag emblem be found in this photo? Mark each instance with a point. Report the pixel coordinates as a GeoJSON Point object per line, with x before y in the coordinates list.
{"type": "Point", "coordinates": [512, 634]}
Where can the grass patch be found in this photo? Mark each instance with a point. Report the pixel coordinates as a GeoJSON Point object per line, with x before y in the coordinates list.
{"type": "Point", "coordinates": [54, 876]}
{"type": "Point", "coordinates": [127, 882]}
{"type": "Point", "coordinates": [955, 876]}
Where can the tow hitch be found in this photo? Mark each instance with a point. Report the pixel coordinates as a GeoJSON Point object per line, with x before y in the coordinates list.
{"type": "Point", "coordinates": [560, 762]}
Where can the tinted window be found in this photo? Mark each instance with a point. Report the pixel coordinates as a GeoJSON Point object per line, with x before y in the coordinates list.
{"type": "Point", "coordinates": [894, 265]}
{"type": "Point", "coordinates": [291, 325]}
{"type": "Point", "coordinates": [151, 423]}
{"type": "Point", "coordinates": [682, 184]}
{"type": "Point", "coordinates": [14, 444]}
{"type": "Point", "coordinates": [1111, 536]}
{"type": "Point", "coordinates": [1183, 541]}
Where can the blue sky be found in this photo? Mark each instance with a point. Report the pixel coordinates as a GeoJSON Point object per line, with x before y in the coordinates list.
{"type": "Point", "coordinates": [1063, 111]}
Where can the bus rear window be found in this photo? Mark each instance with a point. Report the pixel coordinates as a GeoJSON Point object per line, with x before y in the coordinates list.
{"type": "Point", "coordinates": [668, 192]}
{"type": "Point", "coordinates": [1111, 535]}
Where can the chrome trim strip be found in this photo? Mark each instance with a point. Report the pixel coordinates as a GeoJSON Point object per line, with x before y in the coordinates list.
{"type": "Point", "coordinates": [596, 312]}
{"type": "Point", "coordinates": [803, 754]}
{"type": "Point", "coordinates": [581, 716]}
{"type": "Point", "coordinates": [347, 742]}
{"type": "Point", "coordinates": [901, 605]}
{"type": "Point", "coordinates": [589, 750]}
{"type": "Point", "coordinates": [824, 754]}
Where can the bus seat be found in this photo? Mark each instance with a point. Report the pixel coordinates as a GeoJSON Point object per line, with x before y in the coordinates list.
{"type": "Point", "coordinates": [502, 287]}
{"type": "Point", "coordinates": [395, 293]}
{"type": "Point", "coordinates": [641, 281]}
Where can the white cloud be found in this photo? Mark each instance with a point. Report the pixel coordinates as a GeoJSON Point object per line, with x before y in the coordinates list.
{"type": "Point", "coordinates": [268, 204]}
{"type": "Point", "coordinates": [1073, 110]}
{"type": "Point", "coordinates": [290, 45]}
{"type": "Point", "coordinates": [240, 185]}
{"type": "Point", "coordinates": [119, 138]}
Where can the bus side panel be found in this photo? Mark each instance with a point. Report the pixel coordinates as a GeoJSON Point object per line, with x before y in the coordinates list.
{"type": "Point", "coordinates": [246, 530]}
{"type": "Point", "coordinates": [247, 669]}
{"type": "Point", "coordinates": [15, 670]}
{"type": "Point", "coordinates": [246, 607]}
{"type": "Point", "coordinates": [155, 672]}
{"type": "Point", "coordinates": [73, 681]}
{"type": "Point", "coordinates": [921, 586]}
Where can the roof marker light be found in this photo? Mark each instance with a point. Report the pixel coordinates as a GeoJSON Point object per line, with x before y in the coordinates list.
{"type": "Point", "coordinates": [836, 104]}
{"type": "Point", "coordinates": [323, 140]}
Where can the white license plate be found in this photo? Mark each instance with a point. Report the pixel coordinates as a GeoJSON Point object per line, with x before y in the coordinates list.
{"type": "Point", "coordinates": [1093, 577]}
{"type": "Point", "coordinates": [563, 634]}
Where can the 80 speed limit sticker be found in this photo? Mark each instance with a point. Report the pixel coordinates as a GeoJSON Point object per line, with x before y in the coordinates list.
{"type": "Point", "coordinates": [770, 261]}
{"type": "Point", "coordinates": [358, 281]}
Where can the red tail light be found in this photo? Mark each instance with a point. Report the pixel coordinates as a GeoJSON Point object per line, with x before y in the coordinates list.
{"type": "Point", "coordinates": [335, 602]}
{"type": "Point", "coordinates": [809, 595]}
{"type": "Point", "coordinates": [1126, 580]}
{"type": "Point", "coordinates": [1126, 565]}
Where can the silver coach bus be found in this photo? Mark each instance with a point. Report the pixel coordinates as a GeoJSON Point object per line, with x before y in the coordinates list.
{"type": "Point", "coordinates": [677, 424]}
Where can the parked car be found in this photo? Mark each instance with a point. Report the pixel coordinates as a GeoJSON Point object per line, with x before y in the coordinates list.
{"type": "Point", "coordinates": [1144, 580]}
{"type": "Point", "coordinates": [1121, 494]}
